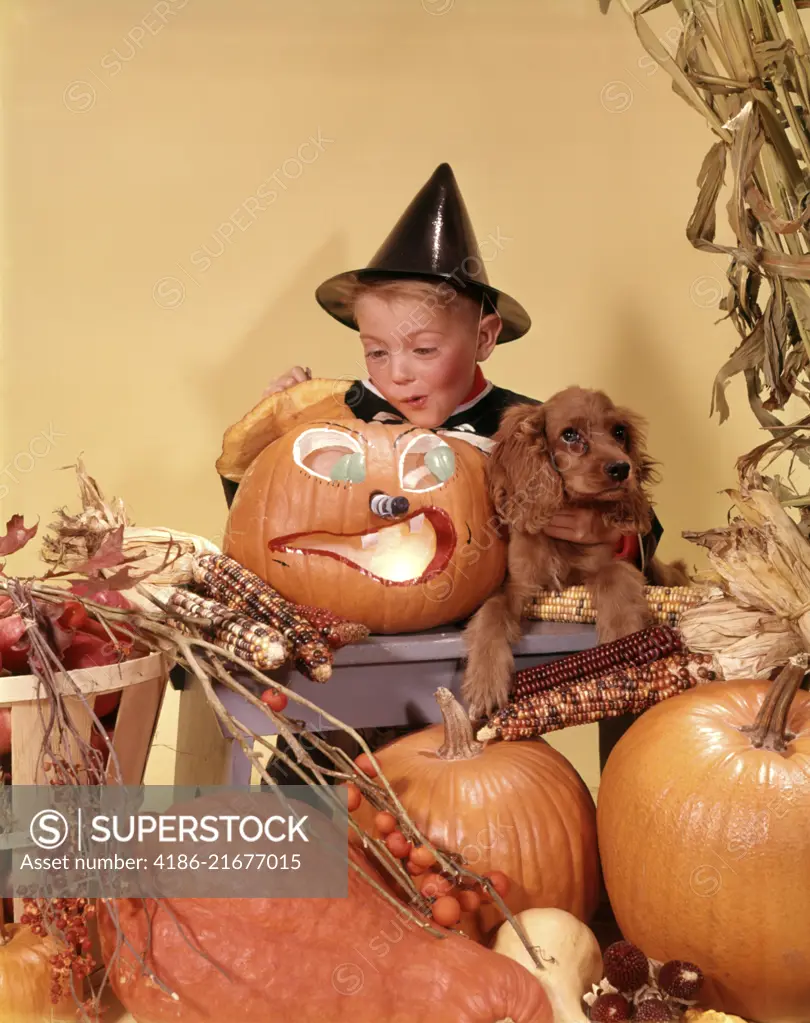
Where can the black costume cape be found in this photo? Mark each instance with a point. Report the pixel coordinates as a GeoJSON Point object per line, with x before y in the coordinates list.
{"type": "Point", "coordinates": [481, 415]}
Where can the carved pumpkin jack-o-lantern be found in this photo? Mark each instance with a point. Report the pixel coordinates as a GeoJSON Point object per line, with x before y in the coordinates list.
{"type": "Point", "coordinates": [389, 525]}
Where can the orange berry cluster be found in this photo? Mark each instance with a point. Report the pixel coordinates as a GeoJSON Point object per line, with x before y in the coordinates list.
{"type": "Point", "coordinates": [448, 898]}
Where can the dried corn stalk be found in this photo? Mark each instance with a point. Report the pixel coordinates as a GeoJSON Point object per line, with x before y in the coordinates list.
{"type": "Point", "coordinates": [744, 65]}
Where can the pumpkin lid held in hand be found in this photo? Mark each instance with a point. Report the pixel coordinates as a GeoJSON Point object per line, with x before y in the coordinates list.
{"type": "Point", "coordinates": [274, 416]}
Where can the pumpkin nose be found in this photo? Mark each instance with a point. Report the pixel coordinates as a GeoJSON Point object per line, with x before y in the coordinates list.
{"type": "Point", "coordinates": [388, 507]}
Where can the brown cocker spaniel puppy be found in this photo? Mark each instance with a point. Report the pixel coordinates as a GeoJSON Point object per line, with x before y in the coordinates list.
{"type": "Point", "coordinates": [575, 450]}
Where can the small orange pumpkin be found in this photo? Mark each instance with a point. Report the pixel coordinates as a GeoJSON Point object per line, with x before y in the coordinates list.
{"type": "Point", "coordinates": [388, 525]}
{"type": "Point", "coordinates": [704, 831]}
{"type": "Point", "coordinates": [515, 807]}
{"type": "Point", "coordinates": [25, 978]}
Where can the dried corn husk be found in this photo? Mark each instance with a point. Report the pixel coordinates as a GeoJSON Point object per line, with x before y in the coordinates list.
{"type": "Point", "coordinates": [762, 616]}
{"type": "Point", "coordinates": [745, 642]}
{"type": "Point", "coordinates": [157, 555]}
{"type": "Point", "coordinates": [164, 556]}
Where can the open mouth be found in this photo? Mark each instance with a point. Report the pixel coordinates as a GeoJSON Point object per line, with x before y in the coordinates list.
{"type": "Point", "coordinates": [408, 551]}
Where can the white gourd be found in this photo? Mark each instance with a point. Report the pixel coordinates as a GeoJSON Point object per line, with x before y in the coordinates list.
{"type": "Point", "coordinates": [570, 943]}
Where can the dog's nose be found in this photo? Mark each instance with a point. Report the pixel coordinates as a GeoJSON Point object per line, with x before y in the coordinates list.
{"type": "Point", "coordinates": [618, 471]}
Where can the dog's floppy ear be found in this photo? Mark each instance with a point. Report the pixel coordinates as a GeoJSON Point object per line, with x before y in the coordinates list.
{"type": "Point", "coordinates": [644, 467]}
{"type": "Point", "coordinates": [526, 489]}
{"type": "Point", "coordinates": [634, 513]}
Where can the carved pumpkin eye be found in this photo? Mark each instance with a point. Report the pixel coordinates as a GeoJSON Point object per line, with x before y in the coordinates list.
{"type": "Point", "coordinates": [330, 455]}
{"type": "Point", "coordinates": [426, 463]}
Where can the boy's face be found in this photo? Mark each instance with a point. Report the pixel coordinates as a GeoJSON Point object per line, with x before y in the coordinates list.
{"type": "Point", "coordinates": [421, 355]}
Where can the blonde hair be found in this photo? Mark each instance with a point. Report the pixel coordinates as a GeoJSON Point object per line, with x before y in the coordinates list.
{"type": "Point", "coordinates": [353, 287]}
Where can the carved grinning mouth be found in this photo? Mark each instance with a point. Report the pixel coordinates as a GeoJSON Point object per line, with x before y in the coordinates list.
{"type": "Point", "coordinates": [409, 551]}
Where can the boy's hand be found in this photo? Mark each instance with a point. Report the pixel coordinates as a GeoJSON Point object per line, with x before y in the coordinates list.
{"type": "Point", "coordinates": [582, 525]}
{"type": "Point", "coordinates": [296, 375]}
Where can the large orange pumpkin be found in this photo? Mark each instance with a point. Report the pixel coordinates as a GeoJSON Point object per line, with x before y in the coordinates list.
{"type": "Point", "coordinates": [516, 807]}
{"type": "Point", "coordinates": [389, 525]}
{"type": "Point", "coordinates": [704, 832]}
{"type": "Point", "coordinates": [351, 960]}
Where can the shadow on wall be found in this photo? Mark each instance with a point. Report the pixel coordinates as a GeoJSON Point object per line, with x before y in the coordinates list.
{"type": "Point", "coordinates": [291, 330]}
{"type": "Point", "coordinates": [287, 332]}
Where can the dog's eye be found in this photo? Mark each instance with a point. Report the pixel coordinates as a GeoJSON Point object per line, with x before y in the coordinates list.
{"type": "Point", "coordinates": [620, 432]}
{"type": "Point", "coordinates": [570, 436]}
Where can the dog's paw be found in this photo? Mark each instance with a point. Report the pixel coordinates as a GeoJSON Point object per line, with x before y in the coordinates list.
{"type": "Point", "coordinates": [485, 688]}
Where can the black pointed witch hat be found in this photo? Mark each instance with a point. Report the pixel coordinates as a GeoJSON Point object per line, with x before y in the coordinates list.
{"type": "Point", "coordinates": [432, 240]}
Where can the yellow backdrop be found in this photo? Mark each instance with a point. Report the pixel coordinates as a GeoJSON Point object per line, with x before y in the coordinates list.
{"type": "Point", "coordinates": [181, 177]}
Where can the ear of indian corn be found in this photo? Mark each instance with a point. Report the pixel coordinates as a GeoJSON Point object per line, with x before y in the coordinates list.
{"type": "Point", "coordinates": [224, 579]}
{"type": "Point", "coordinates": [638, 648]}
{"type": "Point", "coordinates": [629, 690]}
{"type": "Point", "coordinates": [337, 631]}
{"type": "Point", "coordinates": [574, 604]}
{"type": "Point", "coordinates": [255, 642]}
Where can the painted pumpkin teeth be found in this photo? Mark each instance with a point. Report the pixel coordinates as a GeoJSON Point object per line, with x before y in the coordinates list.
{"type": "Point", "coordinates": [369, 540]}
{"type": "Point", "coordinates": [417, 523]}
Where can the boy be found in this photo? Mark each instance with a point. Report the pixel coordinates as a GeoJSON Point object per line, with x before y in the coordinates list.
{"type": "Point", "coordinates": [427, 318]}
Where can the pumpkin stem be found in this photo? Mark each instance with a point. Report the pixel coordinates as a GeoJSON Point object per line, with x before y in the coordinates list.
{"type": "Point", "coordinates": [769, 731]}
{"type": "Point", "coordinates": [459, 741]}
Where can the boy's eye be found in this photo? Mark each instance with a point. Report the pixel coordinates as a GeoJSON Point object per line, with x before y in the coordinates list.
{"type": "Point", "coordinates": [378, 353]}
{"type": "Point", "coordinates": [424, 351]}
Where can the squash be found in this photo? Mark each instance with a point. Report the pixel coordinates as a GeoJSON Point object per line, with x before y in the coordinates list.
{"type": "Point", "coordinates": [704, 831]}
{"type": "Point", "coordinates": [515, 807]}
{"type": "Point", "coordinates": [26, 976]}
{"type": "Point", "coordinates": [570, 952]}
{"type": "Point", "coordinates": [351, 960]}
{"type": "Point", "coordinates": [387, 525]}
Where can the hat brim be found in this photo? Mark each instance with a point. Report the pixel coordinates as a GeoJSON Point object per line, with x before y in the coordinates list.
{"type": "Point", "coordinates": [331, 297]}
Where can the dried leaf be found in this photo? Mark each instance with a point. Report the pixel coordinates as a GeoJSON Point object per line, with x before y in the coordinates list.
{"type": "Point", "coordinates": [776, 343]}
{"type": "Point", "coordinates": [747, 142]}
{"type": "Point", "coordinates": [17, 536]}
{"type": "Point", "coordinates": [768, 215]}
{"type": "Point", "coordinates": [703, 221]}
{"type": "Point", "coordinates": [748, 355]}
{"type": "Point", "coordinates": [110, 554]}
{"type": "Point", "coordinates": [123, 579]}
